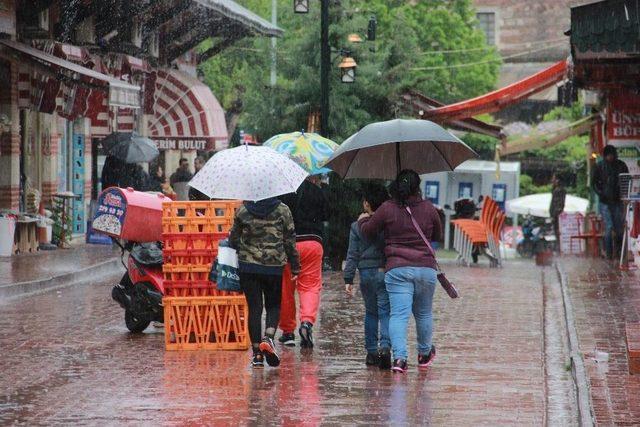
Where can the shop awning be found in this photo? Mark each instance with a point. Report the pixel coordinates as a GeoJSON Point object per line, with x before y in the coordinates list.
{"type": "Point", "coordinates": [501, 98]}
{"type": "Point", "coordinates": [546, 140]}
{"type": "Point", "coordinates": [419, 103]}
{"type": "Point", "coordinates": [186, 115]}
{"type": "Point", "coordinates": [242, 16]}
{"type": "Point", "coordinates": [121, 94]}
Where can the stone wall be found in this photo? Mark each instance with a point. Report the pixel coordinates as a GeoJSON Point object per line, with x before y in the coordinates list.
{"type": "Point", "coordinates": [520, 22]}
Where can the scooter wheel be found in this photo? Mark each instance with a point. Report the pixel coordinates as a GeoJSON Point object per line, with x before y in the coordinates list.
{"type": "Point", "coordinates": [135, 323]}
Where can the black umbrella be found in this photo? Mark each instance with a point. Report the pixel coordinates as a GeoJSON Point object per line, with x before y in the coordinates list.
{"type": "Point", "coordinates": [134, 148]}
{"type": "Point", "coordinates": [382, 149]}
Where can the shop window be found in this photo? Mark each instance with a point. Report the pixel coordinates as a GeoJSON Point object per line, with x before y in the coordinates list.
{"type": "Point", "coordinates": [487, 23]}
{"type": "Point", "coordinates": [465, 190]}
{"type": "Point", "coordinates": [499, 194]}
{"type": "Point", "coordinates": [432, 191]}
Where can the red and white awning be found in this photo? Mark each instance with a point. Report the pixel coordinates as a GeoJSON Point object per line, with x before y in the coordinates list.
{"type": "Point", "coordinates": [186, 115]}
{"type": "Point", "coordinates": [48, 83]}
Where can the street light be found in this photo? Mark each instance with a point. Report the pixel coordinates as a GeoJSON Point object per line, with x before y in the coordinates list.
{"type": "Point", "coordinates": [371, 29]}
{"type": "Point", "coordinates": [348, 69]}
{"type": "Point", "coordinates": [354, 38]}
{"type": "Point", "coordinates": [301, 6]}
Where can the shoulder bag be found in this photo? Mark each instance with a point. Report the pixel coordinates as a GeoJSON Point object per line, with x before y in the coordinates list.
{"type": "Point", "coordinates": [449, 287]}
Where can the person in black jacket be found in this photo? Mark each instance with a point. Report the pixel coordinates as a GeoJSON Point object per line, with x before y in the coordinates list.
{"type": "Point", "coordinates": [606, 184]}
{"type": "Point", "coordinates": [112, 172]}
{"type": "Point", "coordinates": [156, 179]}
{"type": "Point", "coordinates": [310, 210]}
{"type": "Point", "coordinates": [194, 194]}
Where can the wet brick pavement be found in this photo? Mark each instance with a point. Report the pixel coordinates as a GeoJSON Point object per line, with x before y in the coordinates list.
{"type": "Point", "coordinates": [45, 264]}
{"type": "Point", "coordinates": [603, 300]}
{"type": "Point", "coordinates": [68, 359]}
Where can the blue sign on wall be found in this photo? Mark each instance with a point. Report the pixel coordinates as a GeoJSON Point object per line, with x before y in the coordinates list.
{"type": "Point", "coordinates": [77, 184]}
{"type": "Point", "coordinates": [432, 191]}
{"type": "Point", "coordinates": [499, 194]}
{"type": "Point", "coordinates": [465, 190]}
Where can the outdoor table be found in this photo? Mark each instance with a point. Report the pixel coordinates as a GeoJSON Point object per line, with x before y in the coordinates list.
{"type": "Point", "coordinates": [26, 236]}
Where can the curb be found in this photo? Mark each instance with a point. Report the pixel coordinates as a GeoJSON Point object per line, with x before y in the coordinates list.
{"type": "Point", "coordinates": [16, 290]}
{"type": "Point", "coordinates": [578, 371]}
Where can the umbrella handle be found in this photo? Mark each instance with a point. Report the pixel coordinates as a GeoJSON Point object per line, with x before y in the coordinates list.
{"type": "Point", "coordinates": [398, 160]}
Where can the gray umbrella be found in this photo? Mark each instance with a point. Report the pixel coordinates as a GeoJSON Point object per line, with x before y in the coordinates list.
{"type": "Point", "coordinates": [135, 149]}
{"type": "Point", "coordinates": [115, 138]}
{"type": "Point", "coordinates": [381, 150]}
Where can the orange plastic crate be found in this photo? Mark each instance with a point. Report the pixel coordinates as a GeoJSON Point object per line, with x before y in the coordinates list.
{"type": "Point", "coordinates": [207, 209]}
{"type": "Point", "coordinates": [206, 323]}
{"type": "Point", "coordinates": [179, 225]}
{"type": "Point", "coordinates": [183, 288]}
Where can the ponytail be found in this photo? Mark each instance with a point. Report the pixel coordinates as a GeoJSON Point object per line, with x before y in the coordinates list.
{"type": "Point", "coordinates": [406, 185]}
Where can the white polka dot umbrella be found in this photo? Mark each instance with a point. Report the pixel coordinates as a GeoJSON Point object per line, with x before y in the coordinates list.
{"type": "Point", "coordinates": [248, 173]}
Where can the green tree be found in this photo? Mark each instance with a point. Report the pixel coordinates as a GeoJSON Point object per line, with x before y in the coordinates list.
{"type": "Point", "coordinates": [573, 151]}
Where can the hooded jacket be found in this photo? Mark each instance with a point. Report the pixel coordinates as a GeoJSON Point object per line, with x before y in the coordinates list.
{"type": "Point", "coordinates": [403, 245]}
{"type": "Point", "coordinates": [309, 208]}
{"type": "Point", "coordinates": [606, 180]}
{"type": "Point", "coordinates": [264, 236]}
{"type": "Point", "coordinates": [362, 253]}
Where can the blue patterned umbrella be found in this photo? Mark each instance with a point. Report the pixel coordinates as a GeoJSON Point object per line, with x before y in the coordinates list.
{"type": "Point", "coordinates": [309, 150]}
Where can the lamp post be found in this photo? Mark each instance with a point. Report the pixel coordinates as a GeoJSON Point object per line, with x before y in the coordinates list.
{"type": "Point", "coordinates": [325, 64]}
{"type": "Point", "coordinates": [347, 66]}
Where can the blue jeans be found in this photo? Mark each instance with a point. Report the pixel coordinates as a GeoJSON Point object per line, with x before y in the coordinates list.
{"type": "Point", "coordinates": [612, 217]}
{"type": "Point", "coordinates": [376, 304]}
{"type": "Point", "coordinates": [410, 290]}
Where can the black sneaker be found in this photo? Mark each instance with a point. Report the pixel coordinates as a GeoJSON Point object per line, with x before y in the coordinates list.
{"type": "Point", "coordinates": [306, 335]}
{"type": "Point", "coordinates": [425, 360]}
{"type": "Point", "coordinates": [258, 360]}
{"type": "Point", "coordinates": [268, 348]}
{"type": "Point", "coordinates": [400, 366]}
{"type": "Point", "coordinates": [372, 359]}
{"type": "Point", "coordinates": [385, 358]}
{"type": "Point", "coordinates": [288, 339]}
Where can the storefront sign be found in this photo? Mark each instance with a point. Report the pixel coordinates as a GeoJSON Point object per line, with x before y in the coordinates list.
{"type": "Point", "coordinates": [182, 144]}
{"type": "Point", "coordinates": [623, 128]}
{"type": "Point", "coordinates": [7, 17]}
{"type": "Point", "coordinates": [110, 213]}
{"type": "Point", "coordinates": [570, 226]}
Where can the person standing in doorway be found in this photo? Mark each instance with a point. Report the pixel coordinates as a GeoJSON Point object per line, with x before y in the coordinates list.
{"type": "Point", "coordinates": [264, 236]}
{"type": "Point", "coordinates": [310, 210]}
{"type": "Point", "coordinates": [182, 174]}
{"type": "Point", "coordinates": [606, 184]}
{"type": "Point", "coordinates": [194, 194]}
{"type": "Point", "coordinates": [411, 273]}
{"type": "Point", "coordinates": [558, 195]}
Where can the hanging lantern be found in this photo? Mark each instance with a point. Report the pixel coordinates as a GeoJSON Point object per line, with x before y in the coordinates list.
{"type": "Point", "coordinates": [348, 69]}
{"type": "Point", "coordinates": [371, 29]}
{"type": "Point", "coordinates": [301, 6]}
{"type": "Point", "coordinates": [354, 38]}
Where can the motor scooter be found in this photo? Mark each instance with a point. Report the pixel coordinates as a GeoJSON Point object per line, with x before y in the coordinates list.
{"type": "Point", "coordinates": [535, 239]}
{"type": "Point", "coordinates": [133, 219]}
{"type": "Point", "coordinates": [140, 290]}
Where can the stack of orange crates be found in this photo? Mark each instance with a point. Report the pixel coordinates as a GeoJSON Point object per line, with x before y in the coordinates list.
{"type": "Point", "coordinates": [196, 314]}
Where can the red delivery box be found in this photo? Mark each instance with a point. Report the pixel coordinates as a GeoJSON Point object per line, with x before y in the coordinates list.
{"type": "Point", "coordinates": [129, 215]}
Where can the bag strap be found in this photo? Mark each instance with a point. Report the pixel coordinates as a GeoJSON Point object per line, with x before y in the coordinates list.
{"type": "Point", "coordinates": [419, 230]}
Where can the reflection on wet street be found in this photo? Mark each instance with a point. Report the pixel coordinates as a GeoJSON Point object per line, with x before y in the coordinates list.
{"type": "Point", "coordinates": [67, 358]}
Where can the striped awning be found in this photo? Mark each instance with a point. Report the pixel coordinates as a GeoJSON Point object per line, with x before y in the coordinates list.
{"type": "Point", "coordinates": [45, 79]}
{"type": "Point", "coordinates": [186, 115]}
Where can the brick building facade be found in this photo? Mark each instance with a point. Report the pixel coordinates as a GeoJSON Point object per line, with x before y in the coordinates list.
{"type": "Point", "coordinates": [530, 37]}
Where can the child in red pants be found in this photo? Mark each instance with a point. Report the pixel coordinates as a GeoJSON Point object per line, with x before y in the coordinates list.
{"type": "Point", "coordinates": [310, 209]}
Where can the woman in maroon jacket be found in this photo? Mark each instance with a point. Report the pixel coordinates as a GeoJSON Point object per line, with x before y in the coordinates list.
{"type": "Point", "coordinates": [411, 274]}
